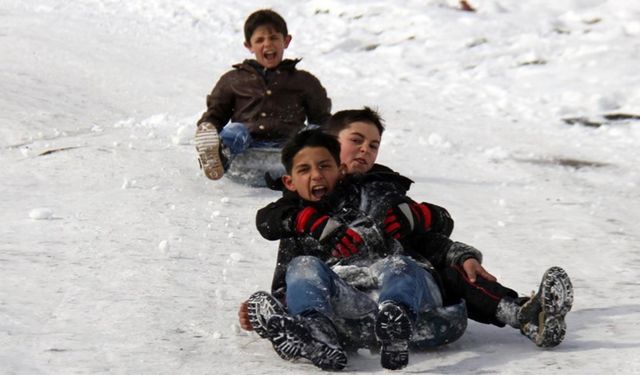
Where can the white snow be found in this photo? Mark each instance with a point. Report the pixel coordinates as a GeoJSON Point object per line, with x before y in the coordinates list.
{"type": "Point", "coordinates": [140, 262]}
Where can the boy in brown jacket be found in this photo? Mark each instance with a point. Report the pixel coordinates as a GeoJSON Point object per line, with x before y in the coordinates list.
{"type": "Point", "coordinates": [261, 102]}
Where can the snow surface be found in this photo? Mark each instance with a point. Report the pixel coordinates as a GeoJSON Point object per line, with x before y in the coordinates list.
{"type": "Point", "coordinates": [118, 256]}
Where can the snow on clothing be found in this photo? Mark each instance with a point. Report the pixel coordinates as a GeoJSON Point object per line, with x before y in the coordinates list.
{"type": "Point", "coordinates": [434, 247]}
{"type": "Point", "coordinates": [314, 287]}
{"type": "Point", "coordinates": [361, 202]}
{"type": "Point", "coordinates": [271, 103]}
{"type": "Point", "coordinates": [350, 290]}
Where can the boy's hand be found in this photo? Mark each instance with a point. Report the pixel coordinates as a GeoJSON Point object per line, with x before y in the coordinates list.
{"type": "Point", "coordinates": [473, 268]}
{"type": "Point", "coordinates": [243, 317]}
{"type": "Point", "coordinates": [403, 218]}
{"type": "Point", "coordinates": [310, 222]}
{"type": "Point", "coordinates": [347, 243]}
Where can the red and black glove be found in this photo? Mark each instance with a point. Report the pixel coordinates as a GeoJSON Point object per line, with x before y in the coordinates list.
{"type": "Point", "coordinates": [404, 218]}
{"type": "Point", "coordinates": [347, 243]}
{"type": "Point", "coordinates": [310, 222]}
{"type": "Point", "coordinates": [342, 240]}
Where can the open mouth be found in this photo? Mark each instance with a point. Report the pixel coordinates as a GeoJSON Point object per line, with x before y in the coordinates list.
{"type": "Point", "coordinates": [270, 56]}
{"type": "Point", "coordinates": [318, 192]}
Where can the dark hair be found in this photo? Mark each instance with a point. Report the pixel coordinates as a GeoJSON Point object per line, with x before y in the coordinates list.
{"type": "Point", "coordinates": [342, 119]}
{"type": "Point", "coordinates": [309, 138]}
{"type": "Point", "coordinates": [264, 17]}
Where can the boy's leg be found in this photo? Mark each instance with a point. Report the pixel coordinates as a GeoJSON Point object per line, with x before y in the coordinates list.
{"type": "Point", "coordinates": [236, 137]}
{"type": "Point", "coordinates": [313, 287]}
{"type": "Point", "coordinates": [482, 297]}
{"type": "Point", "coordinates": [313, 293]}
{"type": "Point", "coordinates": [404, 281]}
{"type": "Point", "coordinates": [406, 289]}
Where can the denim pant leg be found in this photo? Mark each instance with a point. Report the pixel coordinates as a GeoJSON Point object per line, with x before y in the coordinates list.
{"type": "Point", "coordinates": [236, 137]}
{"type": "Point", "coordinates": [405, 282]}
{"type": "Point", "coordinates": [313, 287]}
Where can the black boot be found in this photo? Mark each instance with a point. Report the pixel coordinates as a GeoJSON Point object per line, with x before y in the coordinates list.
{"type": "Point", "coordinates": [313, 337]}
{"type": "Point", "coordinates": [261, 307]}
{"type": "Point", "coordinates": [541, 318]}
{"type": "Point", "coordinates": [393, 329]}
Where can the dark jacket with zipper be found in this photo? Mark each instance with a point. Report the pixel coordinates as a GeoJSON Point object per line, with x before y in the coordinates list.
{"type": "Point", "coordinates": [272, 103]}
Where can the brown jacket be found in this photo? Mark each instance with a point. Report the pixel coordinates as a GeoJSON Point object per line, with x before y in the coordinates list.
{"type": "Point", "coordinates": [273, 108]}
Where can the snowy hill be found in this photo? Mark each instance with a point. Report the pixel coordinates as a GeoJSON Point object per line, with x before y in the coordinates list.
{"type": "Point", "coordinates": [118, 256]}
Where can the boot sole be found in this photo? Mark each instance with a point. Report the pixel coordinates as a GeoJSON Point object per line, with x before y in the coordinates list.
{"type": "Point", "coordinates": [393, 329]}
{"type": "Point", "coordinates": [261, 307]}
{"type": "Point", "coordinates": [208, 145]}
{"type": "Point", "coordinates": [292, 340]}
{"type": "Point", "coordinates": [557, 300]}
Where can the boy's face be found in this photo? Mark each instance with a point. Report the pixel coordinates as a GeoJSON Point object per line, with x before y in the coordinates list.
{"type": "Point", "coordinates": [359, 144]}
{"type": "Point", "coordinates": [314, 173]}
{"type": "Point", "coordinates": [268, 46]}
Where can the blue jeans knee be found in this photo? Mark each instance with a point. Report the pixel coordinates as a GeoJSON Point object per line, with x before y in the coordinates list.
{"type": "Point", "coordinates": [236, 137]}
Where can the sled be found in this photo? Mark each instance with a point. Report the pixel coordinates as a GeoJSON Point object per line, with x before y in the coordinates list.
{"type": "Point", "coordinates": [440, 326]}
{"type": "Point", "coordinates": [250, 167]}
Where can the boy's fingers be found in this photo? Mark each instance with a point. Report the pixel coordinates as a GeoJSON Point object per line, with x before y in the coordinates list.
{"type": "Point", "coordinates": [471, 274]}
{"type": "Point", "coordinates": [243, 317]}
{"type": "Point", "coordinates": [488, 276]}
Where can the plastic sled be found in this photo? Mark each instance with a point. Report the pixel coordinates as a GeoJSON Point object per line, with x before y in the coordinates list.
{"type": "Point", "coordinates": [250, 167]}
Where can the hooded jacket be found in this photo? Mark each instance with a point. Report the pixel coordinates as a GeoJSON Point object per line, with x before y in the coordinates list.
{"type": "Point", "coordinates": [272, 103]}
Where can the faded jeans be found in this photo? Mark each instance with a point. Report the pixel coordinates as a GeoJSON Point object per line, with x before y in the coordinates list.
{"type": "Point", "coordinates": [314, 287]}
{"type": "Point", "coordinates": [235, 135]}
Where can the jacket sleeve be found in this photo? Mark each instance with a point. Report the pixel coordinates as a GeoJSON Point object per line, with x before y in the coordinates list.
{"type": "Point", "coordinates": [440, 250]}
{"type": "Point", "coordinates": [276, 220]}
{"type": "Point", "coordinates": [317, 103]}
{"type": "Point", "coordinates": [433, 218]}
{"type": "Point", "coordinates": [220, 103]}
{"type": "Point", "coordinates": [441, 221]}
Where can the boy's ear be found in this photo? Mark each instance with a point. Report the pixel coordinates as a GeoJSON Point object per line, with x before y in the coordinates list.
{"type": "Point", "coordinates": [288, 182]}
{"type": "Point", "coordinates": [343, 169]}
{"type": "Point", "coordinates": [247, 45]}
{"type": "Point", "coordinates": [287, 40]}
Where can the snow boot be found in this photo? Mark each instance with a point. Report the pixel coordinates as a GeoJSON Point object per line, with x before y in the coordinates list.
{"type": "Point", "coordinates": [313, 337]}
{"type": "Point", "coordinates": [541, 318]}
{"type": "Point", "coordinates": [213, 160]}
{"type": "Point", "coordinates": [261, 307]}
{"type": "Point", "coordinates": [393, 329]}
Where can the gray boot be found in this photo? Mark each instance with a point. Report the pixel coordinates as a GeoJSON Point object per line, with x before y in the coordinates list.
{"type": "Point", "coordinates": [541, 317]}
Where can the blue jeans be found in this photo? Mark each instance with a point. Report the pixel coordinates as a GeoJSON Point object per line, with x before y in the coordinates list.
{"type": "Point", "coordinates": [313, 287]}
{"type": "Point", "coordinates": [235, 135]}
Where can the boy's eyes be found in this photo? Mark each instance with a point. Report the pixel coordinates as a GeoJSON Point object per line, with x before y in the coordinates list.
{"type": "Point", "coordinates": [273, 38]}
{"type": "Point", "coordinates": [360, 141]}
{"type": "Point", "coordinates": [306, 169]}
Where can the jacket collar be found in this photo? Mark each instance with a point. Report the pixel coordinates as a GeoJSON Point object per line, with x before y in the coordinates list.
{"type": "Point", "coordinates": [253, 65]}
